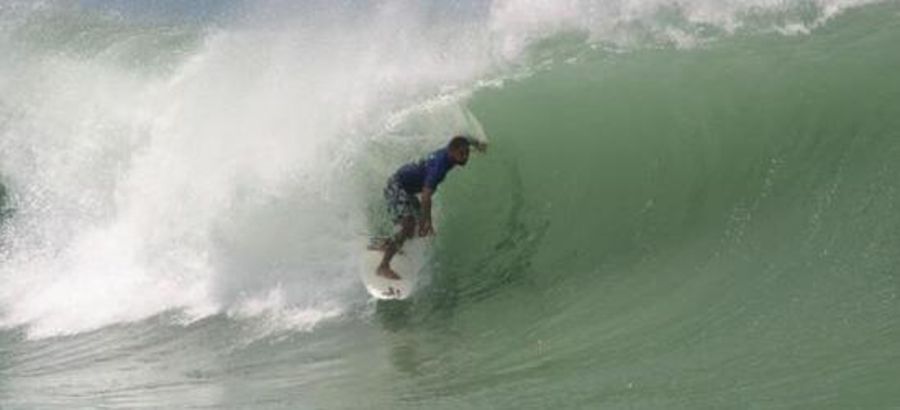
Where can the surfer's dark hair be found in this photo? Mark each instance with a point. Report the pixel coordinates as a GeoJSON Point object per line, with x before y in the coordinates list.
{"type": "Point", "coordinates": [458, 142]}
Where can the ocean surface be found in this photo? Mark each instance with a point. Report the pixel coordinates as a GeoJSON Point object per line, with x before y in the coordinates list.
{"type": "Point", "coordinates": [684, 205]}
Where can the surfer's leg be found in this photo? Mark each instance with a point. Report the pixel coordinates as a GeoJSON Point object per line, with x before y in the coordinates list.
{"type": "Point", "coordinates": [393, 245]}
{"type": "Point", "coordinates": [403, 207]}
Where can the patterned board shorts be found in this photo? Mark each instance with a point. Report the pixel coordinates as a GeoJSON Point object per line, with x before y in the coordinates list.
{"type": "Point", "coordinates": [401, 203]}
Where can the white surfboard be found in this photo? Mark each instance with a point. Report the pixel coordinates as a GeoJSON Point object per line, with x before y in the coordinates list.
{"type": "Point", "coordinates": [407, 264]}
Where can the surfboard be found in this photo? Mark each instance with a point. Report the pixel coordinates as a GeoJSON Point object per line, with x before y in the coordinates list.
{"type": "Point", "coordinates": [407, 264]}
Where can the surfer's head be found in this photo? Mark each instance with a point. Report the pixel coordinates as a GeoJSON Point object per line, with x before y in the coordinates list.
{"type": "Point", "coordinates": [458, 148]}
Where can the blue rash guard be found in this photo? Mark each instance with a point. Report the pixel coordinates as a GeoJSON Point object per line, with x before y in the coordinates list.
{"type": "Point", "coordinates": [426, 172]}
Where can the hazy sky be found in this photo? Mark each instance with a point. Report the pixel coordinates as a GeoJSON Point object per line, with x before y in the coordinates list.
{"type": "Point", "coordinates": [167, 9]}
{"type": "Point", "coordinates": [211, 9]}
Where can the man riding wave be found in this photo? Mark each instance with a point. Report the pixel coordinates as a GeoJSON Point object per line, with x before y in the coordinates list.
{"type": "Point", "coordinates": [420, 178]}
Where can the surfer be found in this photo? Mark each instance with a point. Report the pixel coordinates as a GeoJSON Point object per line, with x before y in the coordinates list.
{"type": "Point", "coordinates": [421, 177]}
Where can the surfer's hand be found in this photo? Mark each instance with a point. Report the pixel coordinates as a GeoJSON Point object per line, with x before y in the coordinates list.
{"type": "Point", "coordinates": [480, 146]}
{"type": "Point", "coordinates": [425, 228]}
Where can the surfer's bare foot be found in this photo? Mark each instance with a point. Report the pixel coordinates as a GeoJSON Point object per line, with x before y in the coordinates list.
{"type": "Point", "coordinates": [387, 273]}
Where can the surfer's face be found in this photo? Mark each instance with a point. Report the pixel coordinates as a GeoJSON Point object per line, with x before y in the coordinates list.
{"type": "Point", "coordinates": [460, 155]}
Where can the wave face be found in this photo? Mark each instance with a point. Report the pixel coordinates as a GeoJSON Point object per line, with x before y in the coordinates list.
{"type": "Point", "coordinates": [682, 206]}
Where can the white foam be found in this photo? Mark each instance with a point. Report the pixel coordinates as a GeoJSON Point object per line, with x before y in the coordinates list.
{"type": "Point", "coordinates": [515, 24]}
{"type": "Point", "coordinates": [278, 314]}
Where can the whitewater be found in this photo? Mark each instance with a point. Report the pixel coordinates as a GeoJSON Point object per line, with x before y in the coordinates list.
{"type": "Point", "coordinates": [684, 205]}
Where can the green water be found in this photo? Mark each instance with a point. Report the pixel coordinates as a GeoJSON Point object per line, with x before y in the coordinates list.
{"type": "Point", "coordinates": [703, 228]}
{"type": "Point", "coordinates": [710, 227]}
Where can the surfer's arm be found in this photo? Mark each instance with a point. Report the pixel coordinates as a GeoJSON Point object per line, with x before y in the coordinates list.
{"type": "Point", "coordinates": [425, 227]}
